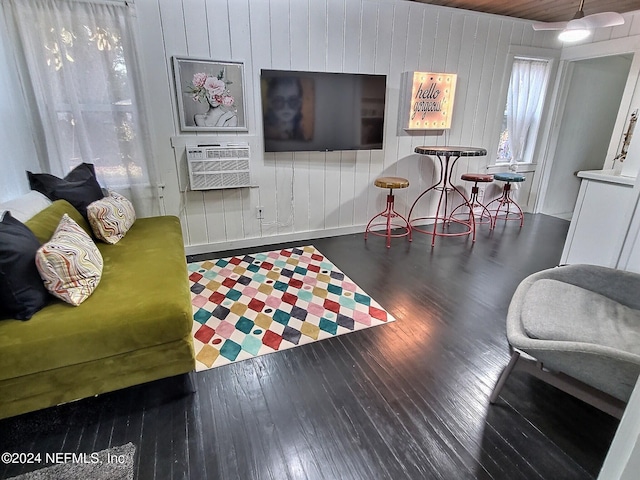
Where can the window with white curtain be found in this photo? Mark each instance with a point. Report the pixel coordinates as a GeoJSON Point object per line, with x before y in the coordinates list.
{"type": "Point", "coordinates": [523, 111]}
{"type": "Point", "coordinates": [79, 68]}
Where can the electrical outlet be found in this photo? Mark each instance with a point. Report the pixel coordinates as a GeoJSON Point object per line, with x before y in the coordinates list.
{"type": "Point", "coordinates": [259, 212]}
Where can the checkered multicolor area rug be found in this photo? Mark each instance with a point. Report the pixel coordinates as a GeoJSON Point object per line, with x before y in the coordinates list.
{"type": "Point", "coordinates": [255, 304]}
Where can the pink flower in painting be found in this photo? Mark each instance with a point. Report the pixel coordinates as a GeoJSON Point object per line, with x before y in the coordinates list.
{"type": "Point", "coordinates": [214, 86]}
{"type": "Point", "coordinates": [199, 79]}
{"type": "Point", "coordinates": [228, 101]}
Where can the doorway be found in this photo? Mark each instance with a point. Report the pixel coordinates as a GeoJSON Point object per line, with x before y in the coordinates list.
{"type": "Point", "coordinates": [594, 93]}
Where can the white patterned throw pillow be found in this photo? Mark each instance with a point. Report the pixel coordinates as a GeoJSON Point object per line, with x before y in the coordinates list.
{"type": "Point", "coordinates": [111, 217]}
{"type": "Point", "coordinates": [70, 264]}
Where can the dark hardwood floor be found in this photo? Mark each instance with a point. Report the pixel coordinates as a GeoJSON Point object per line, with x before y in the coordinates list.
{"type": "Point", "coordinates": [407, 400]}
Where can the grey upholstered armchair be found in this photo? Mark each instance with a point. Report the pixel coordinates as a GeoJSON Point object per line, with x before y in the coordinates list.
{"type": "Point", "coordinates": [578, 327]}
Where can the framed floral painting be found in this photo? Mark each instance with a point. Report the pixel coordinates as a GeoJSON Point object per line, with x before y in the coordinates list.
{"type": "Point", "coordinates": [210, 95]}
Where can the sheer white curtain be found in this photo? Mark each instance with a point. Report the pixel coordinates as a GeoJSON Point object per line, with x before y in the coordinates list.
{"type": "Point", "coordinates": [80, 73]}
{"type": "Point", "coordinates": [528, 78]}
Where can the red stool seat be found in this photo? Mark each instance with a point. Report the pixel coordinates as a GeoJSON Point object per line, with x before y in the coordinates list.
{"type": "Point", "coordinates": [477, 177]}
{"type": "Point", "coordinates": [392, 219]}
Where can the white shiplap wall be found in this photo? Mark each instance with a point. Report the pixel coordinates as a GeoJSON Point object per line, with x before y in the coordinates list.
{"type": "Point", "coordinates": [306, 195]}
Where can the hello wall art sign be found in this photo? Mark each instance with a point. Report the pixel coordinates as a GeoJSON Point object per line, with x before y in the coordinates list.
{"type": "Point", "coordinates": [427, 100]}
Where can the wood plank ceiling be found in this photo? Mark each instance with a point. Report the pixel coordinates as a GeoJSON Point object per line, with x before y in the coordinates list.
{"type": "Point", "coordinates": [539, 10]}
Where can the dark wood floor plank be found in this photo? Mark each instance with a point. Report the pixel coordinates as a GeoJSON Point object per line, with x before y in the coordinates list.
{"type": "Point", "coordinates": [406, 400]}
{"type": "Point", "coordinates": [320, 408]}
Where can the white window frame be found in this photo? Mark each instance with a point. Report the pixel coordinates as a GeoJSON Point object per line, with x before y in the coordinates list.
{"type": "Point", "coordinates": [540, 132]}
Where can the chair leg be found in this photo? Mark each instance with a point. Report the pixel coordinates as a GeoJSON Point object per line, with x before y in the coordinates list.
{"type": "Point", "coordinates": [503, 376]}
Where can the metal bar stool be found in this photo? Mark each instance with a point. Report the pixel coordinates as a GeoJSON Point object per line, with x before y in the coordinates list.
{"type": "Point", "coordinates": [389, 212]}
{"type": "Point", "coordinates": [505, 201]}
{"type": "Point", "coordinates": [474, 202]}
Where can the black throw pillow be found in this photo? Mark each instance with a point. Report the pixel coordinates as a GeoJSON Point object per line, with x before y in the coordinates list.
{"type": "Point", "coordinates": [22, 291]}
{"type": "Point", "coordinates": [80, 187]}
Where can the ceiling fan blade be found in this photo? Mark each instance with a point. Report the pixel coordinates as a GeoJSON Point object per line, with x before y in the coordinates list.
{"type": "Point", "coordinates": [604, 19]}
{"type": "Point", "coordinates": [549, 25]}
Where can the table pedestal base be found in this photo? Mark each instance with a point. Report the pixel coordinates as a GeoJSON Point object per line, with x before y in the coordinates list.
{"type": "Point", "coordinates": [442, 219]}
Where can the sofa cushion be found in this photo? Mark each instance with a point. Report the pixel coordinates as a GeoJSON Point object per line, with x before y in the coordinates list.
{"type": "Point", "coordinates": [554, 310]}
{"type": "Point", "coordinates": [80, 187]}
{"type": "Point", "coordinates": [142, 301]}
{"type": "Point", "coordinates": [44, 223]}
{"type": "Point", "coordinates": [111, 217]}
{"type": "Point", "coordinates": [22, 292]}
{"type": "Point", "coordinates": [26, 206]}
{"type": "Point", "coordinates": [70, 264]}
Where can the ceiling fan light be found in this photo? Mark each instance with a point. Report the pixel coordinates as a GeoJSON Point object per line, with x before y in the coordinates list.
{"type": "Point", "coordinates": [573, 35]}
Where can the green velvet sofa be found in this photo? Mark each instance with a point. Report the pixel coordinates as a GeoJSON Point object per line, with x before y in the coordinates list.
{"type": "Point", "coordinates": [135, 327]}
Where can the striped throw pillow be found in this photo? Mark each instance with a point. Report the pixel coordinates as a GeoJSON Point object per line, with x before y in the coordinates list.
{"type": "Point", "coordinates": [111, 217]}
{"type": "Point", "coordinates": [70, 264]}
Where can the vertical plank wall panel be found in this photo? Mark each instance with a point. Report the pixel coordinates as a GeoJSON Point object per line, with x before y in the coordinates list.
{"type": "Point", "coordinates": [366, 64]}
{"type": "Point", "coordinates": [479, 92]}
{"type": "Point", "coordinates": [348, 188]}
{"type": "Point", "coordinates": [406, 162]}
{"type": "Point", "coordinates": [317, 62]}
{"type": "Point", "coordinates": [335, 58]}
{"type": "Point", "coordinates": [331, 189]}
{"type": "Point", "coordinates": [518, 34]}
{"type": "Point", "coordinates": [368, 37]}
{"type": "Point", "coordinates": [240, 37]}
{"type": "Point", "coordinates": [527, 35]}
{"type": "Point", "coordinates": [390, 15]}
{"type": "Point", "coordinates": [362, 187]}
{"type": "Point", "coordinates": [283, 164]}
{"type": "Point", "coordinates": [352, 35]}
{"type": "Point", "coordinates": [453, 64]}
{"type": "Point", "coordinates": [206, 40]}
{"type": "Point", "coordinates": [156, 66]}
{"type": "Point", "coordinates": [384, 44]}
{"type": "Point", "coordinates": [332, 193]}
{"type": "Point", "coordinates": [299, 27]}
{"type": "Point", "coordinates": [487, 59]}
{"type": "Point", "coordinates": [232, 201]}
{"type": "Point", "coordinates": [317, 202]}
{"type": "Point", "coordinates": [418, 181]}
{"type": "Point", "coordinates": [302, 192]}
{"type": "Point", "coordinates": [354, 32]}
{"type": "Point", "coordinates": [466, 94]}
{"type": "Point", "coordinates": [396, 146]}
{"type": "Point", "coordinates": [427, 168]}
{"type": "Point", "coordinates": [200, 208]}
{"type": "Point", "coordinates": [317, 36]}
{"type": "Point", "coordinates": [176, 44]}
{"type": "Point", "coordinates": [634, 21]}
{"type": "Point", "coordinates": [335, 35]}
{"type": "Point", "coordinates": [261, 48]}
{"type": "Point", "coordinates": [496, 99]}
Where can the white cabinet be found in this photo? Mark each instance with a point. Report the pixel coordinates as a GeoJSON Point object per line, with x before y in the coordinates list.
{"type": "Point", "coordinates": [600, 220]}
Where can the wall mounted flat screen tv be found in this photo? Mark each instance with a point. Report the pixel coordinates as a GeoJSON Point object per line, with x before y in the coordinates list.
{"type": "Point", "coordinates": [319, 111]}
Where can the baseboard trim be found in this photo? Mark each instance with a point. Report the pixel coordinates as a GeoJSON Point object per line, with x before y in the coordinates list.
{"type": "Point", "coordinates": [269, 240]}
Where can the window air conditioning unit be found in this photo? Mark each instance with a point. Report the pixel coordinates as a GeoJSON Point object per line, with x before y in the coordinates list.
{"type": "Point", "coordinates": [213, 167]}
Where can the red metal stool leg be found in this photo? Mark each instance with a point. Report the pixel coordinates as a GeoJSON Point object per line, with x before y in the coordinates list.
{"type": "Point", "coordinates": [473, 204]}
{"type": "Point", "coordinates": [505, 201]}
{"type": "Point", "coordinates": [389, 213]}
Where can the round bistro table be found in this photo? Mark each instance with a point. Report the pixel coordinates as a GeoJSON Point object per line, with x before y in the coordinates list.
{"type": "Point", "coordinates": [447, 156]}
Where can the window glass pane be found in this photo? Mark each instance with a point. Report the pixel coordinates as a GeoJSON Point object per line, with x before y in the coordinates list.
{"type": "Point", "coordinates": [522, 114]}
